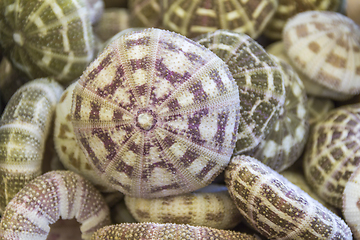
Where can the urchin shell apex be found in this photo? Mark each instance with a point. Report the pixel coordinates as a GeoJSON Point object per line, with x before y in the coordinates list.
{"type": "Point", "coordinates": [156, 114]}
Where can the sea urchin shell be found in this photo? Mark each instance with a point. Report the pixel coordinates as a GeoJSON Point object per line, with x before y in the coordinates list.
{"type": "Point", "coordinates": [156, 114]}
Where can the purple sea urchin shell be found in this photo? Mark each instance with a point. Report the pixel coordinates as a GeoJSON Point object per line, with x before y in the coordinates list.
{"type": "Point", "coordinates": [47, 198]}
{"type": "Point", "coordinates": [156, 114]}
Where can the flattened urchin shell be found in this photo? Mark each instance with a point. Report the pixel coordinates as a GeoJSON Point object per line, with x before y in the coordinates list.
{"type": "Point", "coordinates": [260, 81]}
{"type": "Point", "coordinates": [47, 38]}
{"type": "Point", "coordinates": [209, 207]}
{"type": "Point", "coordinates": [277, 208]}
{"type": "Point", "coordinates": [66, 146]}
{"type": "Point", "coordinates": [325, 46]}
{"type": "Point", "coordinates": [171, 231]}
{"type": "Point", "coordinates": [49, 197]}
{"type": "Point", "coordinates": [287, 138]}
{"type": "Point", "coordinates": [192, 18]}
{"type": "Point", "coordinates": [333, 153]}
{"type": "Point", "coordinates": [156, 114]}
{"type": "Point", "coordinates": [288, 9]}
{"type": "Point", "coordinates": [351, 203]}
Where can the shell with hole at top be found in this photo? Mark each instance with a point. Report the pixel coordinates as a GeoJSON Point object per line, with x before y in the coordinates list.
{"type": "Point", "coordinates": [260, 81]}
{"type": "Point", "coordinates": [325, 46]}
{"type": "Point", "coordinates": [47, 38]}
{"type": "Point", "coordinates": [156, 114]}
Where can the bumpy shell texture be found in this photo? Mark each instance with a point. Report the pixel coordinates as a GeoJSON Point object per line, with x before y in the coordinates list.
{"type": "Point", "coordinates": [260, 81]}
{"type": "Point", "coordinates": [156, 114]}
{"type": "Point", "coordinates": [140, 231]}
{"type": "Point", "coordinates": [325, 46]}
{"type": "Point", "coordinates": [286, 140]}
{"type": "Point", "coordinates": [47, 38]}
{"type": "Point", "coordinates": [332, 153]}
{"type": "Point", "coordinates": [277, 208]}
{"type": "Point", "coordinates": [195, 17]}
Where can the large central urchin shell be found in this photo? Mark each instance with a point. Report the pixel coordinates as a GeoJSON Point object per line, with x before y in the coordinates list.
{"type": "Point", "coordinates": [156, 114]}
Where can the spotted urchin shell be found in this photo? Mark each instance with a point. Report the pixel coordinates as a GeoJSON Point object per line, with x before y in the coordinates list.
{"type": "Point", "coordinates": [24, 127]}
{"type": "Point", "coordinates": [260, 81]}
{"type": "Point", "coordinates": [332, 153]}
{"type": "Point", "coordinates": [277, 208]}
{"type": "Point", "coordinates": [49, 197]}
{"type": "Point", "coordinates": [325, 46]}
{"type": "Point", "coordinates": [288, 9]}
{"type": "Point", "coordinates": [69, 152]}
{"type": "Point", "coordinates": [47, 38]}
{"type": "Point", "coordinates": [139, 231]}
{"type": "Point", "coordinates": [156, 114]}
{"type": "Point", "coordinates": [210, 206]}
{"type": "Point", "coordinates": [286, 140]}
{"type": "Point", "coordinates": [351, 203]}
{"type": "Point", "coordinates": [195, 17]}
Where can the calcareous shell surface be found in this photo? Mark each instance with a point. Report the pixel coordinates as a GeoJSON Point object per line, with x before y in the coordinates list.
{"type": "Point", "coordinates": [156, 114]}
{"type": "Point", "coordinates": [260, 81]}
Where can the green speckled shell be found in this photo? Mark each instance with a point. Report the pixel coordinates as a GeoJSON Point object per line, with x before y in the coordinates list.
{"type": "Point", "coordinates": [47, 38]}
{"type": "Point", "coordinates": [260, 81]}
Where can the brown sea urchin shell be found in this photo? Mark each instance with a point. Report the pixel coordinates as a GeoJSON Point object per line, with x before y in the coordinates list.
{"type": "Point", "coordinates": [156, 114]}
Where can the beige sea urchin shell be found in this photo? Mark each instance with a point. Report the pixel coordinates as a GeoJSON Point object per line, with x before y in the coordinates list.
{"type": "Point", "coordinates": [325, 46]}
{"type": "Point", "coordinates": [49, 197]}
{"type": "Point", "coordinates": [277, 208]}
{"type": "Point", "coordinates": [260, 81]}
{"type": "Point", "coordinates": [156, 114]}
{"type": "Point", "coordinates": [351, 203]}
{"type": "Point", "coordinates": [210, 206]}
{"type": "Point", "coordinates": [47, 38]}
{"type": "Point", "coordinates": [170, 231]}
{"type": "Point", "coordinates": [68, 150]}
{"type": "Point", "coordinates": [332, 153]}
{"type": "Point", "coordinates": [24, 127]}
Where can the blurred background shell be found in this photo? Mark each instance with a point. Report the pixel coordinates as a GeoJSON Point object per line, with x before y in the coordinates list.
{"type": "Point", "coordinates": [195, 17]}
{"type": "Point", "coordinates": [325, 46]}
{"type": "Point", "coordinates": [288, 9]}
{"type": "Point", "coordinates": [146, 13]}
{"type": "Point", "coordinates": [260, 81]}
{"type": "Point", "coordinates": [47, 38]}
{"type": "Point", "coordinates": [156, 114]}
{"type": "Point", "coordinates": [332, 153]}
{"type": "Point", "coordinates": [95, 9]}
{"type": "Point", "coordinates": [287, 138]}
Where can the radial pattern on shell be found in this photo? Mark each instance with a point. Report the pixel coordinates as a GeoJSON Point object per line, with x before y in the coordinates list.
{"type": "Point", "coordinates": [260, 81]}
{"type": "Point", "coordinates": [156, 114]}
{"type": "Point", "coordinates": [47, 38]}
{"type": "Point", "coordinates": [325, 46]}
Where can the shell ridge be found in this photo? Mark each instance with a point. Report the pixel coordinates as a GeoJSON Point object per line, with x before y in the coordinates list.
{"type": "Point", "coordinates": [34, 14]}
{"type": "Point", "coordinates": [138, 167]}
{"type": "Point", "coordinates": [245, 16]}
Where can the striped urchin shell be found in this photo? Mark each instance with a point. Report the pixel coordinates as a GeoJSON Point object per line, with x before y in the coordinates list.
{"type": "Point", "coordinates": [260, 81]}
{"type": "Point", "coordinates": [49, 197]}
{"type": "Point", "coordinates": [69, 152]}
{"type": "Point", "coordinates": [325, 46]}
{"type": "Point", "coordinates": [211, 206]}
{"type": "Point", "coordinates": [145, 13]}
{"type": "Point", "coordinates": [47, 38]}
{"type": "Point", "coordinates": [156, 114]}
{"type": "Point", "coordinates": [351, 203]}
{"type": "Point", "coordinates": [287, 138]}
{"type": "Point", "coordinates": [153, 231]}
{"type": "Point", "coordinates": [195, 17]}
{"type": "Point", "coordinates": [288, 9]}
{"type": "Point", "coordinates": [332, 153]}
{"type": "Point", "coordinates": [277, 208]}
{"type": "Point", "coordinates": [24, 127]}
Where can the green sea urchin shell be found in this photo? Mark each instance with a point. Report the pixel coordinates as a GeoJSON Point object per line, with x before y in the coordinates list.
{"type": "Point", "coordinates": [47, 38]}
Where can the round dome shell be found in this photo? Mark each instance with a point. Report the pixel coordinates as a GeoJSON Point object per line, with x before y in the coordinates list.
{"type": "Point", "coordinates": [325, 46]}
{"type": "Point", "coordinates": [156, 114]}
{"type": "Point", "coordinates": [288, 9]}
{"type": "Point", "coordinates": [260, 81]}
{"type": "Point", "coordinates": [47, 38]}
{"type": "Point", "coordinates": [286, 140]}
{"type": "Point", "coordinates": [195, 17]}
{"type": "Point", "coordinates": [332, 152]}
